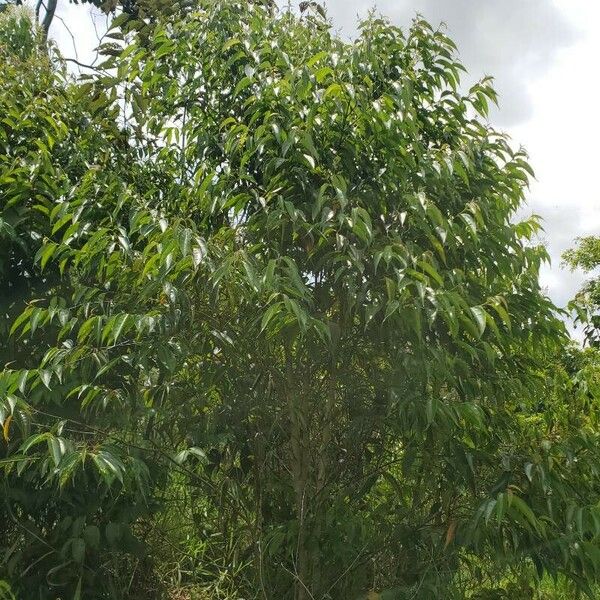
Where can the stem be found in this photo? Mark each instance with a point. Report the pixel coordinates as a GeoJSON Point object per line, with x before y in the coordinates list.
{"type": "Point", "coordinates": [323, 471]}
{"type": "Point", "coordinates": [50, 9]}
{"type": "Point", "coordinates": [299, 477]}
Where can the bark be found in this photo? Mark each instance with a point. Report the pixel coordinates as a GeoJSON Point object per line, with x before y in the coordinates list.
{"type": "Point", "coordinates": [324, 470]}
{"type": "Point", "coordinates": [50, 10]}
{"type": "Point", "coordinates": [300, 473]}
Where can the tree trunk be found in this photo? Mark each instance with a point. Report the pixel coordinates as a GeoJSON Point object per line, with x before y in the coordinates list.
{"type": "Point", "coordinates": [300, 473]}
{"type": "Point", "coordinates": [323, 471]}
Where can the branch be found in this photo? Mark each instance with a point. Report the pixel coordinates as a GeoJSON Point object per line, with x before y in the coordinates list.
{"type": "Point", "coordinates": [50, 9]}
{"type": "Point", "coordinates": [80, 64]}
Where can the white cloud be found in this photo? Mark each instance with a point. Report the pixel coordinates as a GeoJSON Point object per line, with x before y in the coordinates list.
{"type": "Point", "coordinates": [561, 139]}
{"type": "Point", "coordinates": [512, 40]}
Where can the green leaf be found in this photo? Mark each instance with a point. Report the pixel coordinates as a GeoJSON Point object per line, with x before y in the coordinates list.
{"type": "Point", "coordinates": [431, 271]}
{"type": "Point", "coordinates": [47, 252]}
{"type": "Point", "coordinates": [185, 241]}
{"type": "Point", "coordinates": [46, 376]}
{"type": "Point", "coordinates": [268, 315]}
{"type": "Point", "coordinates": [502, 313]}
{"type": "Point", "coordinates": [78, 550]}
{"type": "Point", "coordinates": [519, 504]}
{"type": "Point", "coordinates": [38, 438]}
{"type": "Point", "coordinates": [120, 20]}
{"type": "Point", "coordinates": [24, 316]}
{"type": "Point", "coordinates": [113, 534]}
{"type": "Point", "coordinates": [242, 85]}
{"type": "Point", "coordinates": [91, 535]}
{"type": "Point", "coordinates": [316, 58]}
{"type": "Point", "coordinates": [56, 449]}
{"type": "Point", "coordinates": [77, 595]}
{"type": "Point", "coordinates": [480, 317]}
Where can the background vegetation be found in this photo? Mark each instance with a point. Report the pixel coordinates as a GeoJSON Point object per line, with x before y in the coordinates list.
{"type": "Point", "coordinates": [271, 327]}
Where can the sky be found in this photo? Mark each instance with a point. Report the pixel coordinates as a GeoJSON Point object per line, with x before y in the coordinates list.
{"type": "Point", "coordinates": [543, 55]}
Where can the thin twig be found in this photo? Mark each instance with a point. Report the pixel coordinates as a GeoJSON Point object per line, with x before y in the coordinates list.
{"type": "Point", "coordinates": [295, 576]}
{"type": "Point", "coordinates": [346, 570]}
{"type": "Point", "coordinates": [80, 64]}
{"type": "Point", "coordinates": [70, 33]}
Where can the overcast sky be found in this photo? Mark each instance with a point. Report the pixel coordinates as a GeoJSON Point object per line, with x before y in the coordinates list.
{"type": "Point", "coordinates": [544, 57]}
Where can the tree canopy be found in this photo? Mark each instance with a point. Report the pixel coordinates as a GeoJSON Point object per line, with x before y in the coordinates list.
{"type": "Point", "coordinates": [273, 329]}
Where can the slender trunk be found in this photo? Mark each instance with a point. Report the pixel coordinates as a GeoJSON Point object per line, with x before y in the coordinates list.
{"type": "Point", "coordinates": [300, 472]}
{"type": "Point", "coordinates": [323, 472]}
{"type": "Point", "coordinates": [259, 458]}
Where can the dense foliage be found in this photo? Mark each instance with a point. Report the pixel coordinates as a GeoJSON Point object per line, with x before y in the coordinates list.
{"type": "Point", "coordinates": [143, 13]}
{"type": "Point", "coordinates": [586, 304]}
{"type": "Point", "coordinates": [272, 329]}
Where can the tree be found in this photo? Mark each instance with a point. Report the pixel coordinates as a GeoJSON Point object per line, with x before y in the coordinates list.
{"type": "Point", "coordinates": [290, 295]}
{"type": "Point", "coordinates": [586, 303]}
{"type": "Point", "coordinates": [52, 142]}
{"type": "Point", "coordinates": [144, 12]}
